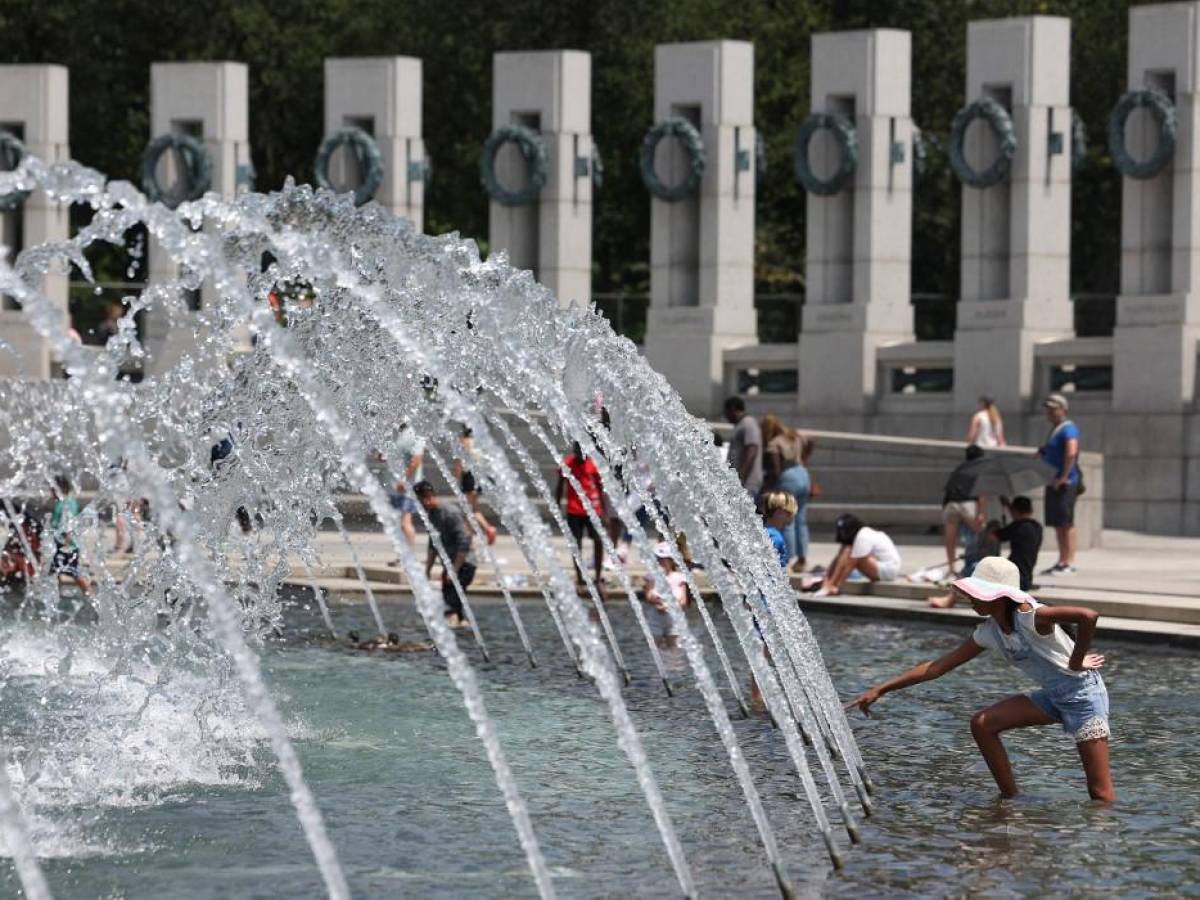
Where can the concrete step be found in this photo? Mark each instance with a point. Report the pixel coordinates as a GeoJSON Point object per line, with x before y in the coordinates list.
{"type": "Point", "coordinates": [894, 518]}
{"type": "Point", "coordinates": [1113, 608]}
{"type": "Point", "coordinates": [1155, 607]}
{"type": "Point", "coordinates": [881, 484]}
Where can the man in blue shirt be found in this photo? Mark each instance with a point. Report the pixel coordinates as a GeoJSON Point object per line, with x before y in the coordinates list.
{"type": "Point", "coordinates": [1061, 450]}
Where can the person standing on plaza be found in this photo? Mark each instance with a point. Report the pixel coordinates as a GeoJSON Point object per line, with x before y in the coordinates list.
{"type": "Point", "coordinates": [746, 448]}
{"type": "Point", "coordinates": [1061, 450]}
{"type": "Point", "coordinates": [987, 427]}
{"type": "Point", "coordinates": [962, 508]}
{"type": "Point", "coordinates": [587, 475]}
{"type": "Point", "coordinates": [785, 468]}
{"type": "Point", "coordinates": [411, 466]}
{"type": "Point", "coordinates": [455, 536]}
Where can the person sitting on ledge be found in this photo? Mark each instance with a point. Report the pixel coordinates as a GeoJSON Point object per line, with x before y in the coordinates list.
{"type": "Point", "coordinates": [1031, 637]}
{"type": "Point", "coordinates": [865, 550]}
{"type": "Point", "coordinates": [1024, 536]}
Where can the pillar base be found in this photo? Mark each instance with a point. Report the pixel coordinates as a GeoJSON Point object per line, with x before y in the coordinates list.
{"type": "Point", "coordinates": [1154, 352]}
{"type": "Point", "coordinates": [683, 345]}
{"type": "Point", "coordinates": [837, 371]}
{"type": "Point", "coordinates": [993, 348]}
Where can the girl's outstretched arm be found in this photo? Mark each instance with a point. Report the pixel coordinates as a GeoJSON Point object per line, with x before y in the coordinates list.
{"type": "Point", "coordinates": [1084, 621]}
{"type": "Point", "coordinates": [926, 671]}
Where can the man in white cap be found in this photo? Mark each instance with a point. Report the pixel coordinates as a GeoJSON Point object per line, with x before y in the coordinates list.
{"type": "Point", "coordinates": [1061, 450]}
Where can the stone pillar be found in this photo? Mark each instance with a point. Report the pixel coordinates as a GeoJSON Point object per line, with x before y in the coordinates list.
{"type": "Point", "coordinates": [382, 96]}
{"type": "Point", "coordinates": [549, 92]}
{"type": "Point", "coordinates": [33, 108]}
{"type": "Point", "coordinates": [702, 248]}
{"type": "Point", "coordinates": [859, 241]}
{"type": "Point", "coordinates": [209, 101]}
{"type": "Point", "coordinates": [1016, 235]}
{"type": "Point", "coordinates": [1158, 310]}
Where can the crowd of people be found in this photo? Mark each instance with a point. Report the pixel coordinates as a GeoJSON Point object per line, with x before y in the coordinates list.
{"type": "Point", "coordinates": [31, 548]}
{"type": "Point", "coordinates": [772, 457]}
{"type": "Point", "coordinates": [771, 461]}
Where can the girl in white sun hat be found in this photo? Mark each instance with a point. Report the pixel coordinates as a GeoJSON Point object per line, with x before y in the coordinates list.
{"type": "Point", "coordinates": [1071, 692]}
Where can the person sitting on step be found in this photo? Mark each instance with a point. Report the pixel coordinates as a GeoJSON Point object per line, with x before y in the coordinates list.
{"type": "Point", "coordinates": [864, 550]}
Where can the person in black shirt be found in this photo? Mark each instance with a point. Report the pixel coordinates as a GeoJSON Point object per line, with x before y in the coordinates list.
{"type": "Point", "coordinates": [455, 536]}
{"type": "Point", "coordinates": [1024, 536]}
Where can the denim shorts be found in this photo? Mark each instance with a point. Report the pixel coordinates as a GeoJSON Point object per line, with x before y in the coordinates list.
{"type": "Point", "coordinates": [1082, 708]}
{"type": "Point", "coordinates": [403, 503]}
{"type": "Point", "coordinates": [660, 622]}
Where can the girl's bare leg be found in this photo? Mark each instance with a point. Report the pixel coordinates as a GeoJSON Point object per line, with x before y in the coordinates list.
{"type": "Point", "coordinates": [950, 539]}
{"type": "Point", "coordinates": [1094, 755]}
{"type": "Point", "coordinates": [986, 727]}
{"type": "Point", "coordinates": [869, 566]}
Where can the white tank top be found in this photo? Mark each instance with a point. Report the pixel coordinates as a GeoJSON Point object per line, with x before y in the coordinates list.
{"type": "Point", "coordinates": [1051, 650]}
{"type": "Point", "coordinates": [986, 435]}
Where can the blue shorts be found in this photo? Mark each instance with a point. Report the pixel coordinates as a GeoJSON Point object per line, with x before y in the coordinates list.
{"type": "Point", "coordinates": [404, 503]}
{"type": "Point", "coordinates": [1081, 708]}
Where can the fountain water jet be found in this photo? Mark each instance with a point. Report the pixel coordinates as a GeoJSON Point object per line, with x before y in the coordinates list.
{"type": "Point", "coordinates": [497, 345]}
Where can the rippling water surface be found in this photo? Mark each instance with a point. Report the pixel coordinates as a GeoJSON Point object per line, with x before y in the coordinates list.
{"type": "Point", "coordinates": [412, 807]}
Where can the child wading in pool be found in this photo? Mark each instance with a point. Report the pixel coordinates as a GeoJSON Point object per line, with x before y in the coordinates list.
{"type": "Point", "coordinates": [662, 626]}
{"type": "Point", "coordinates": [779, 511]}
{"type": "Point", "coordinates": [1030, 636]}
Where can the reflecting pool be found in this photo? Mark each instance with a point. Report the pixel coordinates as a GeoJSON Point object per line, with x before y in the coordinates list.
{"type": "Point", "coordinates": [184, 809]}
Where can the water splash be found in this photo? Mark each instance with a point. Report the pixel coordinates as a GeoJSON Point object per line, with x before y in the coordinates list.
{"type": "Point", "coordinates": [379, 328]}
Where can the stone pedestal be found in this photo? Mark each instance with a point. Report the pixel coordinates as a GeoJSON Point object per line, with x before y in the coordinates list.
{"type": "Point", "coordinates": [550, 93]}
{"type": "Point", "coordinates": [1016, 234]}
{"type": "Point", "coordinates": [34, 108]}
{"type": "Point", "coordinates": [1158, 311]}
{"type": "Point", "coordinates": [382, 96]}
{"type": "Point", "coordinates": [209, 101]}
{"type": "Point", "coordinates": [859, 241]}
{"type": "Point", "coordinates": [702, 248]}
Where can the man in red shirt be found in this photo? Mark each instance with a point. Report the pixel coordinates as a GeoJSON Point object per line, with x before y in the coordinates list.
{"type": "Point", "coordinates": [585, 473]}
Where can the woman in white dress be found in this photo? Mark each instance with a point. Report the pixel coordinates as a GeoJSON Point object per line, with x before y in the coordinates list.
{"type": "Point", "coordinates": [987, 428]}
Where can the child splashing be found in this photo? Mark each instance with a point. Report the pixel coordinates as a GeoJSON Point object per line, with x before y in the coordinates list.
{"type": "Point", "coordinates": [1029, 635]}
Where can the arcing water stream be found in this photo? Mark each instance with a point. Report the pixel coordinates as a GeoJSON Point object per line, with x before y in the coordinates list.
{"type": "Point", "coordinates": [382, 330]}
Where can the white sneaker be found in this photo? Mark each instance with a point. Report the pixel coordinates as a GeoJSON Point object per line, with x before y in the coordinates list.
{"type": "Point", "coordinates": [1067, 570]}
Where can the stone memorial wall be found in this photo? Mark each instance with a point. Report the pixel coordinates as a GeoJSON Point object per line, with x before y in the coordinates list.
{"type": "Point", "coordinates": [855, 366]}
